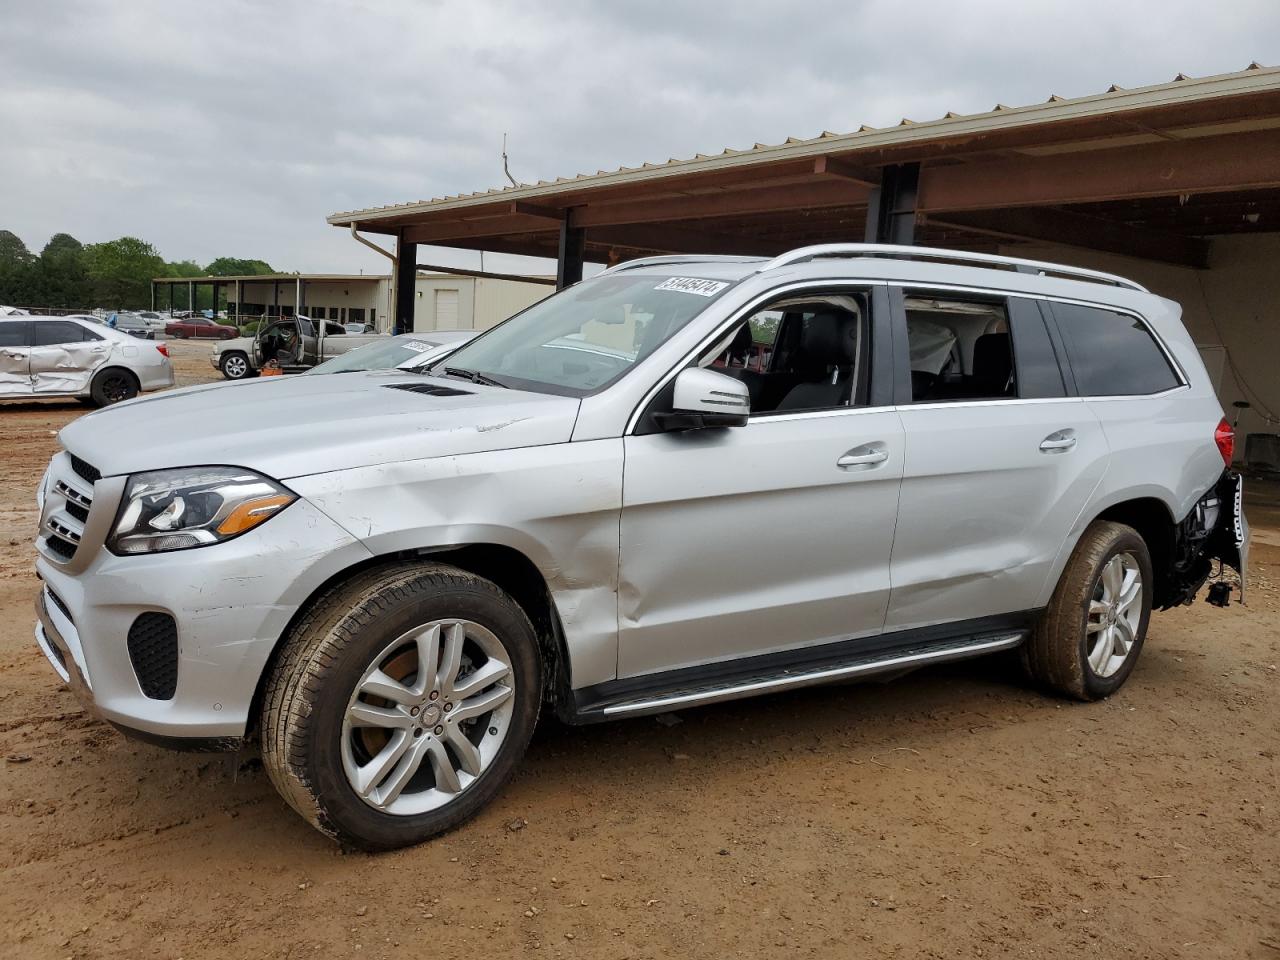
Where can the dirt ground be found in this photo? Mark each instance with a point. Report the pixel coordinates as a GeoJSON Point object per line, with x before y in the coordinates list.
{"type": "Point", "coordinates": [953, 813]}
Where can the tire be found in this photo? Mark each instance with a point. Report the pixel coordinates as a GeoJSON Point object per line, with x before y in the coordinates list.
{"type": "Point", "coordinates": [178, 335]}
{"type": "Point", "coordinates": [355, 636]}
{"type": "Point", "coordinates": [1080, 648]}
{"type": "Point", "coordinates": [113, 385]}
{"type": "Point", "coordinates": [235, 366]}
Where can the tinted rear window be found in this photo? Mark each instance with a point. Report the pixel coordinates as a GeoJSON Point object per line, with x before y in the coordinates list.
{"type": "Point", "coordinates": [15, 333]}
{"type": "Point", "coordinates": [48, 332]}
{"type": "Point", "coordinates": [1112, 354]}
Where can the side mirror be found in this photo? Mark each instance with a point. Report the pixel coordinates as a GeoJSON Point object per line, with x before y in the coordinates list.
{"type": "Point", "coordinates": [704, 398]}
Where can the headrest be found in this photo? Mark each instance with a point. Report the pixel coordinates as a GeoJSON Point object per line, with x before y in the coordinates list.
{"type": "Point", "coordinates": [830, 336]}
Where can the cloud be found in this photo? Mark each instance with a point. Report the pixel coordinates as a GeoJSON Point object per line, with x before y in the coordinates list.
{"type": "Point", "coordinates": [235, 128]}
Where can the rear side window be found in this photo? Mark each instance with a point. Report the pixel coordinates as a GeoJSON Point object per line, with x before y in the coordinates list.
{"type": "Point", "coordinates": [49, 332]}
{"type": "Point", "coordinates": [1112, 354]}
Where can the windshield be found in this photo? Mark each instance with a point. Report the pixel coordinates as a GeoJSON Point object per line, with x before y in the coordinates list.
{"type": "Point", "coordinates": [377, 356]}
{"type": "Point", "coordinates": [586, 337]}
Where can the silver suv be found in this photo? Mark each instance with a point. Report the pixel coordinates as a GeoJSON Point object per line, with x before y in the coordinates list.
{"type": "Point", "coordinates": [686, 480]}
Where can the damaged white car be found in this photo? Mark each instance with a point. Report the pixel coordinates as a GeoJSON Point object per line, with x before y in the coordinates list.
{"type": "Point", "coordinates": [46, 357]}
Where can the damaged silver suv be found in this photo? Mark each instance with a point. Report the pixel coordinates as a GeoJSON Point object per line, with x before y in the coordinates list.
{"type": "Point", "coordinates": [683, 481]}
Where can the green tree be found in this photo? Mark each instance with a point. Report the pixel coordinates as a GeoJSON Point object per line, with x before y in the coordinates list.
{"type": "Point", "coordinates": [18, 279]}
{"type": "Point", "coordinates": [63, 275]}
{"type": "Point", "coordinates": [121, 272]}
{"type": "Point", "coordinates": [233, 267]}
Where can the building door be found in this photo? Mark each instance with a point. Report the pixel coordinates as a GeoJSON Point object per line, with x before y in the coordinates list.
{"type": "Point", "coordinates": [446, 309]}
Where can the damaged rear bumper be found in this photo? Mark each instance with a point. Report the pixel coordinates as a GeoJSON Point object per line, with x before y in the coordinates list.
{"type": "Point", "coordinates": [1215, 529]}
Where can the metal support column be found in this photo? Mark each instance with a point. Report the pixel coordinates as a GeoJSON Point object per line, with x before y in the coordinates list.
{"type": "Point", "coordinates": [404, 283]}
{"type": "Point", "coordinates": [573, 246]}
{"type": "Point", "coordinates": [891, 211]}
{"type": "Point", "coordinates": [239, 302]}
{"type": "Point", "coordinates": [191, 294]}
{"type": "Point", "coordinates": [275, 295]}
{"type": "Point", "coordinates": [153, 296]}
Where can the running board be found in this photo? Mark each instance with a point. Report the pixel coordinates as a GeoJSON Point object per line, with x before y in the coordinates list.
{"type": "Point", "coordinates": [869, 665]}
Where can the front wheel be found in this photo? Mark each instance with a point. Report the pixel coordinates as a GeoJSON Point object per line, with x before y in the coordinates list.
{"type": "Point", "coordinates": [1092, 632]}
{"type": "Point", "coordinates": [234, 366]}
{"type": "Point", "coordinates": [402, 704]}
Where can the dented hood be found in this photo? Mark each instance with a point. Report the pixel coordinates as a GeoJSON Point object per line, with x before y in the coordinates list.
{"type": "Point", "coordinates": [293, 426]}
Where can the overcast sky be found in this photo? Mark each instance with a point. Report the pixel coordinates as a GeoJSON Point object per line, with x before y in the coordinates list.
{"type": "Point", "coordinates": [234, 128]}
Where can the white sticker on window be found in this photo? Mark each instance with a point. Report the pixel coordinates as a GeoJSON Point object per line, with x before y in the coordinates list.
{"type": "Point", "coordinates": [420, 345]}
{"type": "Point", "coordinates": [702, 288]}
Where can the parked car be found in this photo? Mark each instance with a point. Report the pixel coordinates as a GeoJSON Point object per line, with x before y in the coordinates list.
{"type": "Point", "coordinates": [12, 311]}
{"type": "Point", "coordinates": [409, 351]}
{"type": "Point", "coordinates": [133, 325]}
{"type": "Point", "coordinates": [289, 342]}
{"type": "Point", "coordinates": [45, 357]}
{"type": "Point", "coordinates": [155, 321]}
{"type": "Point", "coordinates": [201, 327]}
{"type": "Point", "coordinates": [947, 455]}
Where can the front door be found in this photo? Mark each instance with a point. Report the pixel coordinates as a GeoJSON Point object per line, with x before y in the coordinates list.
{"type": "Point", "coordinates": [999, 460]}
{"type": "Point", "coordinates": [15, 358]}
{"type": "Point", "coordinates": [775, 535]}
{"type": "Point", "coordinates": [64, 356]}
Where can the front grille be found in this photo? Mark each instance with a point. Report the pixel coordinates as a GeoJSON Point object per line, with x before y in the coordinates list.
{"type": "Point", "coordinates": [153, 650]}
{"type": "Point", "coordinates": [63, 549]}
{"type": "Point", "coordinates": [67, 507]}
{"type": "Point", "coordinates": [84, 470]}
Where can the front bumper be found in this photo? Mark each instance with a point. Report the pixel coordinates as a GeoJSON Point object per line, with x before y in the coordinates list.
{"type": "Point", "coordinates": [231, 603]}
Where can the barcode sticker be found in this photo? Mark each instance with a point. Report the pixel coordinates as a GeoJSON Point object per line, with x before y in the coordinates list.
{"type": "Point", "coordinates": [701, 288]}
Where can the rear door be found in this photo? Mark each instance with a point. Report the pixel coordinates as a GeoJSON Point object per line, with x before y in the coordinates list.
{"type": "Point", "coordinates": [15, 358]}
{"type": "Point", "coordinates": [999, 459]}
{"type": "Point", "coordinates": [64, 356]}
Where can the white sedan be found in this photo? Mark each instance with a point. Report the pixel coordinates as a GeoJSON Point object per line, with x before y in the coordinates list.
{"type": "Point", "coordinates": [45, 357]}
{"type": "Point", "coordinates": [408, 351]}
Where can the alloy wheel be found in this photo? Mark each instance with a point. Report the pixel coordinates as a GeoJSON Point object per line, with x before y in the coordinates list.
{"type": "Point", "coordinates": [1115, 614]}
{"type": "Point", "coordinates": [427, 717]}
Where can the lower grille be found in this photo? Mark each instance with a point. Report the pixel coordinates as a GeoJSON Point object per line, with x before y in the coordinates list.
{"type": "Point", "coordinates": [62, 607]}
{"type": "Point", "coordinates": [153, 651]}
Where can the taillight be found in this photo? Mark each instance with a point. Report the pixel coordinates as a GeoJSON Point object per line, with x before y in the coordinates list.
{"type": "Point", "coordinates": [164, 349]}
{"type": "Point", "coordinates": [1225, 437]}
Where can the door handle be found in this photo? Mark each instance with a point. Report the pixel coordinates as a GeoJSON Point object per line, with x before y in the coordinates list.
{"type": "Point", "coordinates": [867, 455]}
{"type": "Point", "coordinates": [1058, 442]}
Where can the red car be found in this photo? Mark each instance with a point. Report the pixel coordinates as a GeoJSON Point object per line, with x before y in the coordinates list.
{"type": "Point", "coordinates": [200, 327]}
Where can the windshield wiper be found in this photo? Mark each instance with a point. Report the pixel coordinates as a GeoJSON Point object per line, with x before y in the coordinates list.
{"type": "Point", "coordinates": [475, 376]}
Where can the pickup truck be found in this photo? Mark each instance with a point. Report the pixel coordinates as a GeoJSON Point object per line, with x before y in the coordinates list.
{"type": "Point", "coordinates": [291, 342]}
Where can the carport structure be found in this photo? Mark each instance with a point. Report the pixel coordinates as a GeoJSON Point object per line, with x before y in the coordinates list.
{"type": "Point", "coordinates": [1173, 178]}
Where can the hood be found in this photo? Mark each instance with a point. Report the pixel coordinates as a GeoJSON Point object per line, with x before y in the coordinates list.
{"type": "Point", "coordinates": [293, 426]}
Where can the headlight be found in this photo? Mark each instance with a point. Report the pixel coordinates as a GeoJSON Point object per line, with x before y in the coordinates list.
{"type": "Point", "coordinates": [193, 507]}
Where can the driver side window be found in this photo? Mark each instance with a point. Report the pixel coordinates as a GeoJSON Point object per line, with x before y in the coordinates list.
{"type": "Point", "coordinates": [800, 354]}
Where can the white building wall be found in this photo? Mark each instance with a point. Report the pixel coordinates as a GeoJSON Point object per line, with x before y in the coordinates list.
{"type": "Point", "coordinates": [1232, 310]}
{"type": "Point", "coordinates": [482, 302]}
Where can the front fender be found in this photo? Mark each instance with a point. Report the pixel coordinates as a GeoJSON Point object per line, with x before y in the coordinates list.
{"type": "Point", "coordinates": [559, 505]}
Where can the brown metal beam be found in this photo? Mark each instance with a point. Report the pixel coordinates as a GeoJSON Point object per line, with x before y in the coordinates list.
{"type": "Point", "coordinates": [833, 167]}
{"type": "Point", "coordinates": [681, 239]}
{"type": "Point", "coordinates": [723, 203]}
{"type": "Point", "coordinates": [1207, 165]}
{"type": "Point", "coordinates": [521, 208]}
{"type": "Point", "coordinates": [1078, 230]}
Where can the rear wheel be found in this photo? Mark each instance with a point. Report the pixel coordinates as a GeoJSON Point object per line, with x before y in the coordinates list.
{"type": "Point", "coordinates": [235, 365]}
{"type": "Point", "coordinates": [1092, 632]}
{"type": "Point", "coordinates": [112, 386]}
{"type": "Point", "coordinates": [402, 705]}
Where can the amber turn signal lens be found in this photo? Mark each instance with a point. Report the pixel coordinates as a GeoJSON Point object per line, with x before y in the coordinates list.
{"type": "Point", "coordinates": [252, 512]}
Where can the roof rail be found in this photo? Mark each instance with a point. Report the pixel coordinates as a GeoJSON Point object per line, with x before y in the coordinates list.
{"type": "Point", "coordinates": [900, 252]}
{"type": "Point", "coordinates": [677, 258]}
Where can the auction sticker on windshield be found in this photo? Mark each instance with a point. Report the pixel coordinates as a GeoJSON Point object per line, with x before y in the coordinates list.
{"type": "Point", "coordinates": [703, 288]}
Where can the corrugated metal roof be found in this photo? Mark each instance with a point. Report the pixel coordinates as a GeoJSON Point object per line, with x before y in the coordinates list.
{"type": "Point", "coordinates": [1182, 89]}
